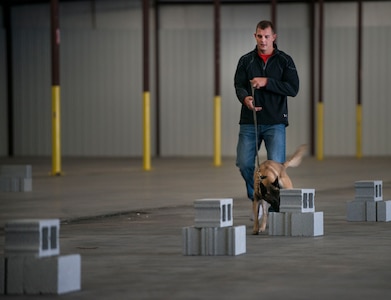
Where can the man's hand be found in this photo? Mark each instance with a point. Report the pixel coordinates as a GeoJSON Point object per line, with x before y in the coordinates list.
{"type": "Point", "coordinates": [249, 103]}
{"type": "Point", "coordinates": [258, 82]}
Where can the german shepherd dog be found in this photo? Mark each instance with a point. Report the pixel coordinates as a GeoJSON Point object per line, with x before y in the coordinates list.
{"type": "Point", "coordinates": [269, 178]}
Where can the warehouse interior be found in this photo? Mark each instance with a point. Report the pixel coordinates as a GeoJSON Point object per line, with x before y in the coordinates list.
{"type": "Point", "coordinates": [124, 188]}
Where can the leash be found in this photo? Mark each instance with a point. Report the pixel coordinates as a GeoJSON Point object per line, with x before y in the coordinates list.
{"type": "Point", "coordinates": [255, 124]}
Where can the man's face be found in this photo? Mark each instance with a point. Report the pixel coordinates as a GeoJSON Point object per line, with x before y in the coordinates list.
{"type": "Point", "coordinates": [265, 38]}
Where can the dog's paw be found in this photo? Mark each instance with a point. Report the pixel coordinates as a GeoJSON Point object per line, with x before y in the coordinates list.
{"type": "Point", "coordinates": [255, 232]}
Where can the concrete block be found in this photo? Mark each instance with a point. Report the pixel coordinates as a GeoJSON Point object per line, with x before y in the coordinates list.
{"type": "Point", "coordinates": [236, 240]}
{"type": "Point", "coordinates": [212, 241]}
{"type": "Point", "coordinates": [307, 224]}
{"type": "Point", "coordinates": [13, 275]}
{"type": "Point", "coordinates": [191, 241]}
{"type": "Point", "coordinates": [297, 200]}
{"type": "Point", "coordinates": [213, 212]}
{"type": "Point", "coordinates": [26, 184]}
{"type": "Point", "coordinates": [52, 275]}
{"type": "Point", "coordinates": [371, 211]}
{"type": "Point", "coordinates": [356, 211]}
{"type": "Point", "coordinates": [280, 223]}
{"type": "Point", "coordinates": [384, 211]}
{"type": "Point", "coordinates": [32, 237]}
{"type": "Point", "coordinates": [47, 275]}
{"type": "Point", "coordinates": [22, 171]}
{"type": "Point", "coordinates": [369, 190]}
{"type": "Point", "coordinates": [16, 184]}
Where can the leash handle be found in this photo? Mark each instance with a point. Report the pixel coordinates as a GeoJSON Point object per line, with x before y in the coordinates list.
{"type": "Point", "coordinates": [255, 124]}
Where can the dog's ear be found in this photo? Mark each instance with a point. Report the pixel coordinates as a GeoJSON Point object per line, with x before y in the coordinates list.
{"type": "Point", "coordinates": [276, 184]}
{"type": "Point", "coordinates": [263, 189]}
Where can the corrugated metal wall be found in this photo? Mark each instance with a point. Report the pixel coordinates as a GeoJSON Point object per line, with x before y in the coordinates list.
{"type": "Point", "coordinates": [3, 92]}
{"type": "Point", "coordinates": [101, 77]}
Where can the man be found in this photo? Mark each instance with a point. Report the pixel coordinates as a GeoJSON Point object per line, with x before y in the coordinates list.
{"type": "Point", "coordinates": [273, 75]}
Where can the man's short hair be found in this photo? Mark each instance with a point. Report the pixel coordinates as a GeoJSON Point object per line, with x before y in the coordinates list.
{"type": "Point", "coordinates": [265, 24]}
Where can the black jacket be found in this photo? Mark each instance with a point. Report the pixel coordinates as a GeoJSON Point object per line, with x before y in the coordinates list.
{"type": "Point", "coordinates": [282, 81]}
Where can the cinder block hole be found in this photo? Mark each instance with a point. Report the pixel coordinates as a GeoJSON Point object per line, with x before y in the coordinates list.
{"type": "Point", "coordinates": [311, 200]}
{"type": "Point", "coordinates": [229, 212]}
{"type": "Point", "coordinates": [45, 238]}
{"type": "Point", "coordinates": [53, 237]}
{"type": "Point", "coordinates": [305, 200]}
{"type": "Point", "coordinates": [223, 213]}
{"type": "Point", "coordinates": [308, 200]}
{"type": "Point", "coordinates": [378, 190]}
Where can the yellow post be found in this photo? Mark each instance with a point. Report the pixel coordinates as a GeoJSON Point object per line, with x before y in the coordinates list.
{"type": "Point", "coordinates": [359, 131]}
{"type": "Point", "coordinates": [319, 140]}
{"type": "Point", "coordinates": [56, 145]}
{"type": "Point", "coordinates": [147, 132]}
{"type": "Point", "coordinates": [217, 131]}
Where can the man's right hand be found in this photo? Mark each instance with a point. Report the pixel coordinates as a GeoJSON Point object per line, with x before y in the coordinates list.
{"type": "Point", "coordinates": [249, 103]}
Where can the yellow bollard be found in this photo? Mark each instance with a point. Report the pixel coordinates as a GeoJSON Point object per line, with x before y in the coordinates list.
{"type": "Point", "coordinates": [217, 131]}
{"type": "Point", "coordinates": [147, 132]}
{"type": "Point", "coordinates": [56, 144]}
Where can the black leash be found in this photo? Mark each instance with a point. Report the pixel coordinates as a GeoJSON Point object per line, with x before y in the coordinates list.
{"type": "Point", "coordinates": [255, 124]}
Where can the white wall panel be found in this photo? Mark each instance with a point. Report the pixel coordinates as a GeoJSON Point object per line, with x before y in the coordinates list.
{"type": "Point", "coordinates": [3, 94]}
{"type": "Point", "coordinates": [102, 92]}
{"type": "Point", "coordinates": [187, 88]}
{"type": "Point", "coordinates": [340, 85]}
{"type": "Point", "coordinates": [32, 92]}
{"type": "Point", "coordinates": [187, 81]}
{"type": "Point", "coordinates": [100, 80]}
{"type": "Point", "coordinates": [376, 104]}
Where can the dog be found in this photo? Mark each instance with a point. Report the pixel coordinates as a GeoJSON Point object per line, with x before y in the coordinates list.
{"type": "Point", "coordinates": [269, 178]}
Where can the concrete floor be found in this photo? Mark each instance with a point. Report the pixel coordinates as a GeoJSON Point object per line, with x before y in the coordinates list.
{"type": "Point", "coordinates": [126, 224]}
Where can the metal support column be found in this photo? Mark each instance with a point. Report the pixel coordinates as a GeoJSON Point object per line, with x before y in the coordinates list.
{"type": "Point", "coordinates": [320, 113]}
{"type": "Point", "coordinates": [56, 132]}
{"type": "Point", "coordinates": [217, 98]}
{"type": "Point", "coordinates": [359, 84]}
{"type": "Point", "coordinates": [146, 92]}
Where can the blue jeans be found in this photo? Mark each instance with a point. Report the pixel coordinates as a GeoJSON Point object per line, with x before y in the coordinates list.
{"type": "Point", "coordinates": [275, 143]}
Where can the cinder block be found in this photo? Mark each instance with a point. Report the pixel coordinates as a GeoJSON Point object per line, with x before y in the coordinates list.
{"type": "Point", "coordinates": [384, 211]}
{"type": "Point", "coordinates": [236, 240]}
{"type": "Point", "coordinates": [13, 275]}
{"type": "Point", "coordinates": [280, 223]}
{"type": "Point", "coordinates": [369, 190]}
{"type": "Point", "coordinates": [47, 275]}
{"type": "Point", "coordinates": [52, 275]}
{"type": "Point", "coordinates": [16, 184]}
{"type": "Point", "coordinates": [307, 224]}
{"type": "Point", "coordinates": [214, 240]}
{"type": "Point", "coordinates": [213, 212]}
{"type": "Point", "coordinates": [15, 178]}
{"type": "Point", "coordinates": [356, 211]}
{"type": "Point", "coordinates": [26, 185]}
{"type": "Point", "coordinates": [297, 200]}
{"type": "Point", "coordinates": [371, 211]}
{"type": "Point", "coordinates": [22, 171]}
{"type": "Point", "coordinates": [32, 237]}
{"type": "Point", "coordinates": [191, 241]}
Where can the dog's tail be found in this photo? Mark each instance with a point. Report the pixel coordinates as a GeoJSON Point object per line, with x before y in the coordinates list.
{"type": "Point", "coordinates": [296, 158]}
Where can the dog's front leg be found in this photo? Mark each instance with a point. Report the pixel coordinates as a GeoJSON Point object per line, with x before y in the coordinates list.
{"type": "Point", "coordinates": [255, 215]}
{"type": "Point", "coordinates": [264, 216]}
